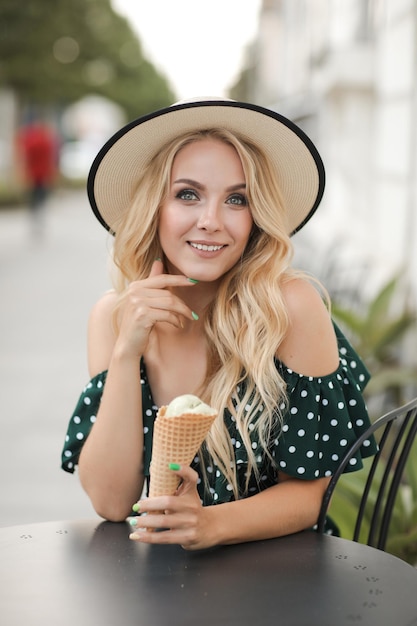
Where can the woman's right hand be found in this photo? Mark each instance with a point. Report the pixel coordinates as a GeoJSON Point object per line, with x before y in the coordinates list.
{"type": "Point", "coordinates": [147, 302]}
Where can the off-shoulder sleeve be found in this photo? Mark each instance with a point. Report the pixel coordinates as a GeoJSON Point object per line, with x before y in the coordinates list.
{"type": "Point", "coordinates": [82, 421]}
{"type": "Point", "coordinates": [325, 416]}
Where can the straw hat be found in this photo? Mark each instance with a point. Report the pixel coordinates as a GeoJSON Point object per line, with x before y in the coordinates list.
{"type": "Point", "coordinates": [300, 171]}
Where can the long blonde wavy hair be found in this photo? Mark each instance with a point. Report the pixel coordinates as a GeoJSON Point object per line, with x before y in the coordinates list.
{"type": "Point", "coordinates": [247, 320]}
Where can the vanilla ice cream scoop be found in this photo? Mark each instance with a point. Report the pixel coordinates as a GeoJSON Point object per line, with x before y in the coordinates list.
{"type": "Point", "coordinates": [188, 404]}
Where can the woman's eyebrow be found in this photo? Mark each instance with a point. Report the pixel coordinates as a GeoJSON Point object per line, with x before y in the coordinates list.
{"type": "Point", "coordinates": [194, 183]}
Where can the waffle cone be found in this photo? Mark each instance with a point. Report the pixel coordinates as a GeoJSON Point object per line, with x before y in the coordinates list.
{"type": "Point", "coordinates": [175, 440]}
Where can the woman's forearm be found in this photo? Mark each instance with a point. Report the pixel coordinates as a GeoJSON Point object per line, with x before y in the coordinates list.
{"type": "Point", "coordinates": [283, 509]}
{"type": "Point", "coordinates": [110, 464]}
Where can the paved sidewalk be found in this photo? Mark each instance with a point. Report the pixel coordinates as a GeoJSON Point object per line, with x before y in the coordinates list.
{"type": "Point", "coordinates": [48, 285]}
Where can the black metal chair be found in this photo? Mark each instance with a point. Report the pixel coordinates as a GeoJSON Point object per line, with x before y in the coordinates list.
{"type": "Point", "coordinates": [399, 430]}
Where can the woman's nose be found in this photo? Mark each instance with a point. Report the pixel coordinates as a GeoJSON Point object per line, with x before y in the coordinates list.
{"type": "Point", "coordinates": [210, 218]}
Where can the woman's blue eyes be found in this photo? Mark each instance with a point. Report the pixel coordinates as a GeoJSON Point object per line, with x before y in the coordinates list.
{"type": "Point", "coordinates": [239, 199]}
{"type": "Point", "coordinates": [189, 195]}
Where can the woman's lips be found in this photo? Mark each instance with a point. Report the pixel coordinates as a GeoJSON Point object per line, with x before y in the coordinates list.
{"type": "Point", "coordinates": [206, 247]}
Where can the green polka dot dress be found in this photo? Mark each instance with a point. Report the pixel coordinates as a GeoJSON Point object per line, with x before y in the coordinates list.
{"type": "Point", "coordinates": [324, 416]}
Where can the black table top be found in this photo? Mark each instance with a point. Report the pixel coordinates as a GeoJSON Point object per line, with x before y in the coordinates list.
{"type": "Point", "coordinates": [88, 572]}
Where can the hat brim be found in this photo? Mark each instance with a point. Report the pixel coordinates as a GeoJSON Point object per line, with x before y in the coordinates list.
{"type": "Point", "coordinates": [301, 177]}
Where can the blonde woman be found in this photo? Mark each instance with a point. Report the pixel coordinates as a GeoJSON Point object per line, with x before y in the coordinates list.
{"type": "Point", "coordinates": [202, 199]}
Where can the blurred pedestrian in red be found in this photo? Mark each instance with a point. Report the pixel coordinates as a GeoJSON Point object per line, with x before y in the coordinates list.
{"type": "Point", "coordinates": [37, 146]}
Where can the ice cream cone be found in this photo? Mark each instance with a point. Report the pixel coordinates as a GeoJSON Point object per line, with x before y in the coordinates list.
{"type": "Point", "coordinates": [175, 440]}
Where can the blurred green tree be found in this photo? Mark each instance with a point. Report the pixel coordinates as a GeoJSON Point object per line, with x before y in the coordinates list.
{"type": "Point", "coordinates": [57, 52]}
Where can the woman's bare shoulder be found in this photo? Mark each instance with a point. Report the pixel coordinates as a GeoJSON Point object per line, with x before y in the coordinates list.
{"type": "Point", "coordinates": [310, 345]}
{"type": "Point", "coordinates": [101, 333]}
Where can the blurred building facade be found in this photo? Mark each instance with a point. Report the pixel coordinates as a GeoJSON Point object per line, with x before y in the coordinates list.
{"type": "Point", "coordinates": [346, 72]}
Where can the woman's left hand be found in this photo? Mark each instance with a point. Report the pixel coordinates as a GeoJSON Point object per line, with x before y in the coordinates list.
{"type": "Point", "coordinates": [184, 519]}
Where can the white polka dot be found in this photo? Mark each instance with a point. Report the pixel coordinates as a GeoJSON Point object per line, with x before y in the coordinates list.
{"type": "Point", "coordinates": [359, 422]}
{"type": "Point", "coordinates": [238, 444]}
{"type": "Point", "coordinates": [349, 425]}
{"type": "Point", "coordinates": [77, 420]}
{"type": "Point", "coordinates": [343, 442]}
{"type": "Point", "coordinates": [331, 386]}
{"type": "Point", "coordinates": [325, 437]}
{"type": "Point", "coordinates": [99, 384]}
{"type": "Point", "coordinates": [248, 408]}
{"type": "Point", "coordinates": [301, 432]}
{"type": "Point", "coordinates": [254, 445]}
{"type": "Point", "coordinates": [251, 426]}
{"type": "Point", "coordinates": [320, 455]}
{"type": "Point", "coordinates": [353, 364]}
{"type": "Point", "coordinates": [79, 436]}
{"type": "Point", "coordinates": [317, 398]}
{"type": "Point", "coordinates": [325, 402]}
{"type": "Point", "coordinates": [281, 463]}
{"type": "Point", "coordinates": [366, 443]}
{"type": "Point", "coordinates": [66, 437]}
{"type": "Point", "coordinates": [145, 430]}
{"type": "Point", "coordinates": [316, 473]}
{"type": "Point", "coordinates": [67, 453]}
{"type": "Point", "coordinates": [87, 401]}
{"type": "Point", "coordinates": [352, 402]}
{"type": "Point", "coordinates": [209, 469]}
{"type": "Point", "coordinates": [304, 393]}
{"type": "Point", "coordinates": [211, 490]}
{"type": "Point", "coordinates": [216, 496]}
{"type": "Point", "coordinates": [149, 412]}
{"type": "Point", "coordinates": [361, 377]}
{"type": "Point", "coordinates": [229, 487]}
{"type": "Point", "coordinates": [335, 457]}
{"type": "Point", "coordinates": [310, 454]}
{"type": "Point", "coordinates": [294, 410]}
{"type": "Point", "coordinates": [334, 423]}
{"type": "Point", "coordinates": [353, 461]}
{"type": "Point", "coordinates": [285, 428]}
{"type": "Point", "coordinates": [342, 350]}
{"type": "Point", "coordinates": [70, 465]}
{"type": "Point", "coordinates": [327, 473]}
{"type": "Point", "coordinates": [93, 419]}
{"type": "Point", "coordinates": [340, 405]}
{"type": "Point", "coordinates": [301, 470]}
{"type": "Point", "coordinates": [310, 415]}
{"type": "Point", "coordinates": [292, 449]}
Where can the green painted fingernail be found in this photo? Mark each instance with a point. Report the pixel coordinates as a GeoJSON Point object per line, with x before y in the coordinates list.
{"type": "Point", "coordinates": [194, 315]}
{"type": "Point", "coordinates": [193, 280]}
{"type": "Point", "coordinates": [136, 507]}
{"type": "Point", "coordinates": [174, 467]}
{"type": "Point", "coordinates": [133, 522]}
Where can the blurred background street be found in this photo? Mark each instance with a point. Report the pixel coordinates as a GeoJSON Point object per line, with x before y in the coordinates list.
{"type": "Point", "coordinates": [49, 281]}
